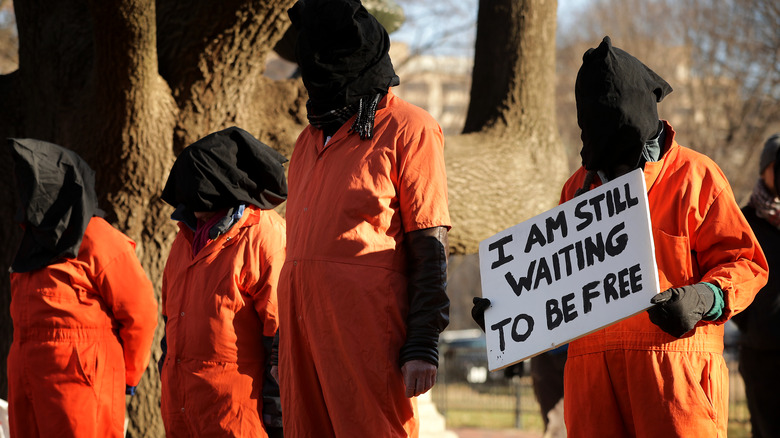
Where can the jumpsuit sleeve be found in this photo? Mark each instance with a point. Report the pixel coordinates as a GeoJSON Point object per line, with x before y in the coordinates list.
{"type": "Point", "coordinates": [729, 255]}
{"type": "Point", "coordinates": [571, 185]}
{"type": "Point", "coordinates": [423, 182]}
{"type": "Point", "coordinates": [127, 291]}
{"type": "Point", "coordinates": [423, 202]}
{"type": "Point", "coordinates": [261, 279]}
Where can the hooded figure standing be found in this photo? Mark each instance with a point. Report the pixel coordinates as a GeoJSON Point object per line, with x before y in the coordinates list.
{"type": "Point", "coordinates": [660, 373]}
{"type": "Point", "coordinates": [759, 324]}
{"type": "Point", "coordinates": [362, 296]}
{"type": "Point", "coordinates": [83, 310]}
{"type": "Point", "coordinates": [219, 287]}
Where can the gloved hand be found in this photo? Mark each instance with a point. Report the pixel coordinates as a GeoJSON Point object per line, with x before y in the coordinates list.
{"type": "Point", "coordinates": [478, 311]}
{"type": "Point", "coordinates": [272, 405]}
{"type": "Point", "coordinates": [129, 390]}
{"type": "Point", "coordinates": [677, 310]}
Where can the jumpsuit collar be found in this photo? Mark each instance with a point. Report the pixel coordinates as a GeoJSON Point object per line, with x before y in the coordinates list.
{"type": "Point", "coordinates": [653, 169]}
{"type": "Point", "coordinates": [223, 240]}
{"type": "Point", "coordinates": [344, 130]}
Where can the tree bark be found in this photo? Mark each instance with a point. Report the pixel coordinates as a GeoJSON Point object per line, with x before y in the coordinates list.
{"type": "Point", "coordinates": [514, 66]}
{"type": "Point", "coordinates": [509, 164]}
{"type": "Point", "coordinates": [214, 64]}
{"type": "Point", "coordinates": [94, 77]}
{"type": "Point", "coordinates": [136, 115]}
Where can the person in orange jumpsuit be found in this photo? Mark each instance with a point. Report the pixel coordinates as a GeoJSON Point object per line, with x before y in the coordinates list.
{"type": "Point", "coordinates": [83, 310]}
{"type": "Point", "coordinates": [219, 287]}
{"type": "Point", "coordinates": [362, 293]}
{"type": "Point", "coordinates": [660, 373]}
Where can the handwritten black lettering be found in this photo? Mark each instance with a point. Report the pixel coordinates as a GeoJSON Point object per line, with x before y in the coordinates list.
{"type": "Point", "coordinates": [529, 324]}
{"type": "Point", "coordinates": [499, 327]}
{"type": "Point", "coordinates": [535, 235]}
{"type": "Point", "coordinates": [589, 292]}
{"type": "Point", "coordinates": [503, 258]}
{"type": "Point", "coordinates": [580, 213]}
{"type": "Point", "coordinates": [522, 283]}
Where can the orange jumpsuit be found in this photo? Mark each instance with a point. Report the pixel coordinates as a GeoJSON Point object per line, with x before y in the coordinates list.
{"type": "Point", "coordinates": [83, 329]}
{"type": "Point", "coordinates": [343, 297]}
{"type": "Point", "coordinates": [220, 304]}
{"type": "Point", "coordinates": [632, 379]}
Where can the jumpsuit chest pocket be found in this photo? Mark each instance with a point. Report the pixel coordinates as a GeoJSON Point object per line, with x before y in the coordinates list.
{"type": "Point", "coordinates": [674, 258]}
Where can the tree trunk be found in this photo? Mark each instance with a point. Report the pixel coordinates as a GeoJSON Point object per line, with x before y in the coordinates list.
{"type": "Point", "coordinates": [514, 66]}
{"type": "Point", "coordinates": [127, 84]}
{"type": "Point", "coordinates": [509, 164]}
{"type": "Point", "coordinates": [214, 63]}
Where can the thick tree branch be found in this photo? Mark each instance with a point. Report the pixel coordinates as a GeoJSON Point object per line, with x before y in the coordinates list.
{"type": "Point", "coordinates": [214, 63]}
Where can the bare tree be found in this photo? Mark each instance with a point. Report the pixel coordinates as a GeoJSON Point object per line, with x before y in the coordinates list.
{"type": "Point", "coordinates": [735, 69]}
{"type": "Point", "coordinates": [8, 41]}
{"type": "Point", "coordinates": [443, 27]}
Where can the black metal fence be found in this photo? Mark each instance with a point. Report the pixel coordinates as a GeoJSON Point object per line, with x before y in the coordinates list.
{"type": "Point", "coordinates": [468, 395]}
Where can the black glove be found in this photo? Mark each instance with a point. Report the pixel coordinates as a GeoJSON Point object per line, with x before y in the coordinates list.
{"type": "Point", "coordinates": [677, 310]}
{"type": "Point", "coordinates": [478, 311]}
{"type": "Point", "coordinates": [274, 355]}
{"type": "Point", "coordinates": [272, 405]}
{"type": "Point", "coordinates": [429, 306]}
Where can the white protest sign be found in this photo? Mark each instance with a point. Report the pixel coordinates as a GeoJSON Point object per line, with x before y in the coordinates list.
{"type": "Point", "coordinates": [572, 270]}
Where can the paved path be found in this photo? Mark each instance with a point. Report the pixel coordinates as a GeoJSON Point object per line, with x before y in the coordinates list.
{"type": "Point", "coordinates": [432, 425]}
{"type": "Point", "coordinates": [499, 433]}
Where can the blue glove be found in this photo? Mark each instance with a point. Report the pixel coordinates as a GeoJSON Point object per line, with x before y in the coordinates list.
{"type": "Point", "coordinates": [130, 390]}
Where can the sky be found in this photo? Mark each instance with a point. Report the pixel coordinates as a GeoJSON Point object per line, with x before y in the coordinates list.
{"type": "Point", "coordinates": [448, 28]}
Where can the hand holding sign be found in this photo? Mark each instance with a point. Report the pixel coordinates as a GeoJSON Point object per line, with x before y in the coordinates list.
{"type": "Point", "coordinates": [572, 270]}
{"type": "Point", "coordinates": [478, 311]}
{"type": "Point", "coordinates": [678, 310]}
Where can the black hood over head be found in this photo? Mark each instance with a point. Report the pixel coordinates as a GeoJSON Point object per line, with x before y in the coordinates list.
{"type": "Point", "coordinates": [617, 98]}
{"type": "Point", "coordinates": [342, 51]}
{"type": "Point", "coordinates": [57, 198]}
{"type": "Point", "coordinates": [222, 170]}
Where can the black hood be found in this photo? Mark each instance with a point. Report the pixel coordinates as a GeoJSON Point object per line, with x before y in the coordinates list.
{"type": "Point", "coordinates": [222, 170]}
{"type": "Point", "coordinates": [342, 51]}
{"type": "Point", "coordinates": [617, 98]}
{"type": "Point", "coordinates": [57, 198]}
